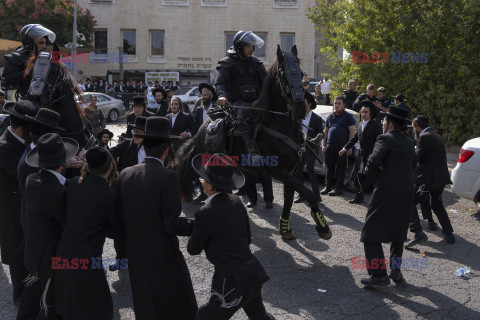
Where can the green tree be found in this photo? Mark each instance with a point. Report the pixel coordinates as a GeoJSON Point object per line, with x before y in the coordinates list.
{"type": "Point", "coordinates": [56, 15]}
{"type": "Point", "coordinates": [444, 88]}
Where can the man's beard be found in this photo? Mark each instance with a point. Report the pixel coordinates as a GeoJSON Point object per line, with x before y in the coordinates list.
{"type": "Point", "coordinates": [206, 102]}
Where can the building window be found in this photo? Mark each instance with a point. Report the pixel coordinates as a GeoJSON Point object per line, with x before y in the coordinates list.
{"type": "Point", "coordinates": [100, 41]}
{"type": "Point", "coordinates": [183, 3]}
{"type": "Point", "coordinates": [229, 39]}
{"type": "Point", "coordinates": [214, 3]}
{"type": "Point", "coordinates": [157, 43]}
{"type": "Point", "coordinates": [287, 41]}
{"type": "Point", "coordinates": [285, 4]}
{"type": "Point", "coordinates": [261, 52]}
{"type": "Point", "coordinates": [129, 42]}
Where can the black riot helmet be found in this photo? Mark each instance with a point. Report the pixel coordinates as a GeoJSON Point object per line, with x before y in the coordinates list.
{"type": "Point", "coordinates": [34, 31]}
{"type": "Point", "coordinates": [243, 38]}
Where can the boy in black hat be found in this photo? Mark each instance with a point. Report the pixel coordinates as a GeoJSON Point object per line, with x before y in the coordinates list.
{"type": "Point", "coordinates": [104, 137]}
{"type": "Point", "coordinates": [151, 205]}
{"type": "Point", "coordinates": [45, 212]}
{"type": "Point", "coordinates": [138, 109]}
{"type": "Point", "coordinates": [222, 229]}
{"type": "Point", "coordinates": [12, 144]}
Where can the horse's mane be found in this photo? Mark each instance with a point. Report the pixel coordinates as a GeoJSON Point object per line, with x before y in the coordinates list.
{"type": "Point", "coordinates": [263, 102]}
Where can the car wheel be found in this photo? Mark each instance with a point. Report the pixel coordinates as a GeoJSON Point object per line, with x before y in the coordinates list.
{"type": "Point", "coordinates": [113, 115]}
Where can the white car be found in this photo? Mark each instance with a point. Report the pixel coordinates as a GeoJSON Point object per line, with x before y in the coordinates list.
{"type": "Point", "coordinates": [466, 175]}
{"type": "Point", "coordinates": [112, 108]}
{"type": "Point", "coordinates": [188, 95]}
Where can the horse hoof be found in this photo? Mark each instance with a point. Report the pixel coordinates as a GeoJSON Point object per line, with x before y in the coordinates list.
{"type": "Point", "coordinates": [324, 235]}
{"type": "Point", "coordinates": [288, 235]}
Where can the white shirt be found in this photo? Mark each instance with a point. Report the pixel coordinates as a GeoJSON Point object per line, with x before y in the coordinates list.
{"type": "Point", "coordinates": [205, 114]}
{"type": "Point", "coordinates": [423, 131]}
{"type": "Point", "coordinates": [60, 178]}
{"type": "Point", "coordinates": [306, 122]}
{"type": "Point", "coordinates": [207, 201]}
{"type": "Point", "coordinates": [364, 123]}
{"type": "Point", "coordinates": [141, 154]}
{"type": "Point", "coordinates": [32, 145]}
{"type": "Point", "coordinates": [155, 159]}
{"type": "Point", "coordinates": [174, 117]}
{"type": "Point", "coordinates": [17, 137]}
{"type": "Point", "coordinates": [325, 86]}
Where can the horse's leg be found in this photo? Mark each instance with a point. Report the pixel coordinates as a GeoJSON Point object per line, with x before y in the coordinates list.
{"type": "Point", "coordinates": [322, 228]}
{"type": "Point", "coordinates": [285, 230]}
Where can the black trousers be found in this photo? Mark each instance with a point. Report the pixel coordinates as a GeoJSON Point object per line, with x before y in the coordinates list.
{"type": "Point", "coordinates": [120, 246]}
{"type": "Point", "coordinates": [50, 312]}
{"type": "Point", "coordinates": [335, 166]}
{"type": "Point", "coordinates": [376, 260]}
{"type": "Point", "coordinates": [18, 274]}
{"type": "Point", "coordinates": [436, 204]}
{"type": "Point", "coordinates": [312, 175]}
{"type": "Point", "coordinates": [30, 305]}
{"type": "Point", "coordinates": [251, 187]}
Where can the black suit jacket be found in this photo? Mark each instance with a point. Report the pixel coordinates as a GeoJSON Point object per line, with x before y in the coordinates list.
{"type": "Point", "coordinates": [198, 118]}
{"type": "Point", "coordinates": [315, 125]}
{"type": "Point", "coordinates": [431, 155]}
{"type": "Point", "coordinates": [367, 138]}
{"type": "Point", "coordinates": [183, 122]}
{"type": "Point", "coordinates": [163, 109]}
{"type": "Point", "coordinates": [45, 218]}
{"type": "Point", "coordinates": [11, 241]}
{"type": "Point", "coordinates": [222, 229]}
{"type": "Point", "coordinates": [151, 208]}
{"type": "Point", "coordinates": [23, 171]}
{"type": "Point", "coordinates": [125, 153]}
{"type": "Point", "coordinates": [131, 119]}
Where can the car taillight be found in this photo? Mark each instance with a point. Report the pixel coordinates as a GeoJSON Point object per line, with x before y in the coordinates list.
{"type": "Point", "coordinates": [465, 155]}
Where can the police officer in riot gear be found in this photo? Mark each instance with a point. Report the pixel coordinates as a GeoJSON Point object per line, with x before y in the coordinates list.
{"type": "Point", "coordinates": [240, 79]}
{"type": "Point", "coordinates": [35, 39]}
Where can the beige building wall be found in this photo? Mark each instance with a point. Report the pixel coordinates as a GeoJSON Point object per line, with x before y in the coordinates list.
{"type": "Point", "coordinates": [195, 33]}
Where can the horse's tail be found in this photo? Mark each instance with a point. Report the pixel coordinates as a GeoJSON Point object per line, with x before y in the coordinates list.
{"type": "Point", "coordinates": [184, 169]}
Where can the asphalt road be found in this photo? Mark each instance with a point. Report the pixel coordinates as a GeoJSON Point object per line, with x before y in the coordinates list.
{"type": "Point", "coordinates": [298, 268]}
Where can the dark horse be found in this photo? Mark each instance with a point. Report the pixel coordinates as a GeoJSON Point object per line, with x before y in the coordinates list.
{"type": "Point", "coordinates": [59, 95]}
{"type": "Point", "coordinates": [281, 106]}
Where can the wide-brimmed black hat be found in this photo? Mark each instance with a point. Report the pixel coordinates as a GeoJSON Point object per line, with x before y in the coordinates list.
{"type": "Point", "coordinates": [400, 97]}
{"type": "Point", "coordinates": [313, 103]}
{"type": "Point", "coordinates": [47, 118]}
{"type": "Point", "coordinates": [219, 171]}
{"type": "Point", "coordinates": [97, 156]}
{"type": "Point", "coordinates": [368, 103]}
{"type": "Point", "coordinates": [157, 89]}
{"type": "Point", "coordinates": [157, 128]}
{"type": "Point", "coordinates": [139, 123]}
{"type": "Point", "coordinates": [51, 151]}
{"type": "Point", "coordinates": [139, 101]}
{"type": "Point", "coordinates": [102, 132]}
{"type": "Point", "coordinates": [397, 113]}
{"type": "Point", "coordinates": [204, 85]}
{"type": "Point", "coordinates": [21, 109]}
{"type": "Point", "coordinates": [124, 136]}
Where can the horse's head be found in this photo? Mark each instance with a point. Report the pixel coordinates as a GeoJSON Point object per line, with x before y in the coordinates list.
{"type": "Point", "coordinates": [290, 81]}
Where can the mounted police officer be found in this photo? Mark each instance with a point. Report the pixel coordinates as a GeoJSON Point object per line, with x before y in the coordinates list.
{"type": "Point", "coordinates": [35, 39]}
{"type": "Point", "coordinates": [240, 79]}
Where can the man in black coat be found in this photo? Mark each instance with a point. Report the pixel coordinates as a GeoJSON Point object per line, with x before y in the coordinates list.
{"type": "Point", "coordinates": [45, 212]}
{"type": "Point", "coordinates": [209, 98]}
{"type": "Point", "coordinates": [431, 178]}
{"type": "Point", "coordinates": [182, 123]}
{"type": "Point", "coordinates": [389, 210]}
{"type": "Point", "coordinates": [366, 134]}
{"type": "Point", "coordinates": [138, 109]}
{"type": "Point", "coordinates": [160, 98]}
{"type": "Point", "coordinates": [350, 94]}
{"type": "Point", "coordinates": [382, 104]}
{"type": "Point", "coordinates": [151, 207]}
{"type": "Point", "coordinates": [315, 127]}
{"type": "Point", "coordinates": [12, 145]}
{"type": "Point", "coordinates": [369, 95]}
{"type": "Point", "coordinates": [222, 229]}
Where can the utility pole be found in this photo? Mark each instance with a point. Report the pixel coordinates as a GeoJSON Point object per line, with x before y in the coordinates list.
{"type": "Point", "coordinates": [74, 46]}
{"type": "Point", "coordinates": [120, 62]}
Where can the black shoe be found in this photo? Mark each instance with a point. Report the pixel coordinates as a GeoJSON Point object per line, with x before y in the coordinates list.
{"type": "Point", "coordinates": [319, 199]}
{"type": "Point", "coordinates": [335, 192]}
{"type": "Point", "coordinates": [432, 225]}
{"type": "Point", "coordinates": [269, 205]}
{"type": "Point", "coordinates": [376, 281]}
{"type": "Point", "coordinates": [356, 200]}
{"type": "Point", "coordinates": [326, 190]}
{"type": "Point", "coordinates": [450, 238]}
{"type": "Point", "coordinates": [251, 204]}
{"type": "Point", "coordinates": [200, 199]}
{"type": "Point", "coordinates": [240, 193]}
{"type": "Point", "coordinates": [299, 199]}
{"type": "Point", "coordinates": [416, 240]}
{"type": "Point", "coordinates": [396, 276]}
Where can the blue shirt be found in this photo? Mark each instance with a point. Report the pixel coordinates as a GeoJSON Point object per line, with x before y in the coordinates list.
{"type": "Point", "coordinates": [337, 125]}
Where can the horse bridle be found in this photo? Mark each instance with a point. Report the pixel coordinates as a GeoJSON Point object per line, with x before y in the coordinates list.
{"type": "Point", "coordinates": [288, 74]}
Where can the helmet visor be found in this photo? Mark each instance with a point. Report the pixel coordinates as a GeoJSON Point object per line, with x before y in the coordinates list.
{"type": "Point", "coordinates": [40, 32]}
{"type": "Point", "coordinates": [251, 38]}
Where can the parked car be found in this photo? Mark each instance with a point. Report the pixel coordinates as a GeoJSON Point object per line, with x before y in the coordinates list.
{"type": "Point", "coordinates": [324, 111]}
{"type": "Point", "coordinates": [112, 108]}
{"type": "Point", "coordinates": [312, 85]}
{"type": "Point", "coordinates": [188, 95]}
{"type": "Point", "coordinates": [466, 175]}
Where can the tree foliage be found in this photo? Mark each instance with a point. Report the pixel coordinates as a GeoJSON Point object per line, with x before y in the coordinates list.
{"type": "Point", "coordinates": [445, 88]}
{"type": "Point", "coordinates": [56, 15]}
